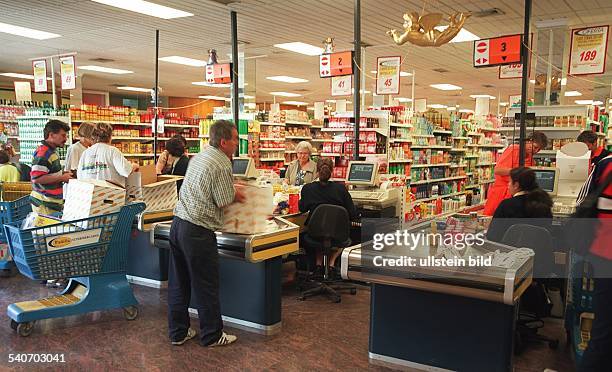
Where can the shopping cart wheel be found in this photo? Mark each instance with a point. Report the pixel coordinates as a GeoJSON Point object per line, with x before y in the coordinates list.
{"type": "Point", "coordinates": [25, 329]}
{"type": "Point", "coordinates": [130, 312]}
{"type": "Point", "coordinates": [14, 325]}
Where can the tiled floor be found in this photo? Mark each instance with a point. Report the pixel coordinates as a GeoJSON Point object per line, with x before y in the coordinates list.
{"type": "Point", "coordinates": [316, 335]}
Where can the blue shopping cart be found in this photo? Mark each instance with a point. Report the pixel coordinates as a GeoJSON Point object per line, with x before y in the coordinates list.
{"type": "Point", "coordinates": [11, 212]}
{"type": "Point", "coordinates": [92, 252]}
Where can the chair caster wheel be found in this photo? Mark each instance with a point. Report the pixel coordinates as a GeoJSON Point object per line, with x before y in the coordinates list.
{"type": "Point", "coordinates": [301, 298]}
{"type": "Point", "coordinates": [553, 344]}
{"type": "Point", "coordinates": [130, 312]}
{"type": "Point", "coordinates": [25, 329]}
{"type": "Point", "coordinates": [353, 291]}
{"type": "Point", "coordinates": [14, 325]}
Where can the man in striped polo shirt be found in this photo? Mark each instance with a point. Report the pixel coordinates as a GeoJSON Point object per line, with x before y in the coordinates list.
{"type": "Point", "coordinates": [47, 173]}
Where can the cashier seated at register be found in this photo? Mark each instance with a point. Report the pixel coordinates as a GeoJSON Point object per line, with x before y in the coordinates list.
{"type": "Point", "coordinates": [529, 203]}
{"type": "Point", "coordinates": [302, 170]}
{"type": "Point", "coordinates": [320, 192]}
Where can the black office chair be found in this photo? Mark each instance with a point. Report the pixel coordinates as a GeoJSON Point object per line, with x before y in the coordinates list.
{"type": "Point", "coordinates": [328, 227]}
{"type": "Point", "coordinates": [535, 303]}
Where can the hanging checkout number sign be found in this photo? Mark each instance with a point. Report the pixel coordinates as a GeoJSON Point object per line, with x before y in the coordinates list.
{"type": "Point", "coordinates": [588, 50]}
{"type": "Point", "coordinates": [68, 72]}
{"type": "Point", "coordinates": [388, 75]}
{"type": "Point", "coordinates": [40, 75]}
{"type": "Point", "coordinates": [342, 85]}
{"type": "Point", "coordinates": [219, 73]}
{"type": "Point", "coordinates": [336, 64]}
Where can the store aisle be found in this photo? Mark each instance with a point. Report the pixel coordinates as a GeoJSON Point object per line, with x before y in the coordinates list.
{"type": "Point", "coordinates": [317, 335]}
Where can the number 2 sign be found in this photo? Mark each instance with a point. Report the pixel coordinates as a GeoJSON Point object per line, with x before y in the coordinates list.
{"type": "Point", "coordinates": [588, 50]}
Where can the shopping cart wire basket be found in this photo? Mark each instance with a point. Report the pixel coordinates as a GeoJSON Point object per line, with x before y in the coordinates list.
{"type": "Point", "coordinates": [12, 212]}
{"type": "Point", "coordinates": [91, 251]}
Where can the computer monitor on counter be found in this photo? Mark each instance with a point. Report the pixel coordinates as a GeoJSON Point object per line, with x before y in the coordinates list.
{"type": "Point", "coordinates": [573, 164]}
{"type": "Point", "coordinates": [548, 179]}
{"type": "Point", "coordinates": [362, 173]}
{"type": "Point", "coordinates": [244, 168]}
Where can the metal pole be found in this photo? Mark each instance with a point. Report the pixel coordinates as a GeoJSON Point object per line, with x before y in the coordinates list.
{"type": "Point", "coordinates": [53, 84]}
{"type": "Point", "coordinates": [413, 73]}
{"type": "Point", "coordinates": [156, 100]}
{"type": "Point", "coordinates": [549, 70]}
{"type": "Point", "coordinates": [357, 76]}
{"type": "Point", "coordinates": [524, 82]}
{"type": "Point", "coordinates": [235, 108]}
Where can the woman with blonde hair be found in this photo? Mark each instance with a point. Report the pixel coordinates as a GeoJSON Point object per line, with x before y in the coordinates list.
{"type": "Point", "coordinates": [76, 150]}
{"type": "Point", "coordinates": [302, 170]}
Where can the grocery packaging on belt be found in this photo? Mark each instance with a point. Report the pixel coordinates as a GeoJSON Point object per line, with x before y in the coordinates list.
{"type": "Point", "coordinates": [86, 198]}
{"type": "Point", "coordinates": [251, 216]}
{"type": "Point", "coordinates": [157, 192]}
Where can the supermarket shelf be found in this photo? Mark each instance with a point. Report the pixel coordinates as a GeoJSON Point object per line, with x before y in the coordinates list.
{"type": "Point", "coordinates": [269, 149]}
{"type": "Point", "coordinates": [431, 165]}
{"type": "Point", "coordinates": [488, 181]}
{"type": "Point", "coordinates": [271, 139]}
{"type": "Point", "coordinates": [423, 135]}
{"type": "Point", "coordinates": [179, 125]}
{"type": "Point", "coordinates": [350, 129]}
{"type": "Point", "coordinates": [298, 123]}
{"type": "Point", "coordinates": [8, 120]}
{"type": "Point", "coordinates": [437, 180]}
{"type": "Point", "coordinates": [273, 159]}
{"type": "Point", "coordinates": [121, 138]}
{"type": "Point", "coordinates": [320, 140]}
{"type": "Point", "coordinates": [299, 137]}
{"type": "Point", "coordinates": [545, 129]}
{"type": "Point", "coordinates": [474, 186]}
{"type": "Point", "coordinates": [316, 126]}
{"type": "Point", "coordinates": [485, 129]}
{"type": "Point", "coordinates": [495, 146]}
{"type": "Point", "coordinates": [401, 161]}
{"type": "Point", "coordinates": [474, 134]}
{"type": "Point", "coordinates": [12, 137]}
{"type": "Point", "coordinates": [138, 155]}
{"type": "Point", "coordinates": [439, 196]}
{"type": "Point", "coordinates": [112, 122]}
{"type": "Point", "coordinates": [400, 140]}
{"type": "Point", "coordinates": [272, 124]}
{"type": "Point", "coordinates": [400, 125]}
{"type": "Point", "coordinates": [457, 149]}
{"type": "Point", "coordinates": [330, 154]}
{"type": "Point", "coordinates": [485, 164]}
{"type": "Point", "coordinates": [42, 117]}
{"type": "Point", "coordinates": [471, 156]}
{"type": "Point", "coordinates": [336, 129]}
{"type": "Point", "coordinates": [430, 147]}
{"type": "Point", "coordinates": [458, 166]}
{"type": "Point", "coordinates": [441, 131]}
{"type": "Point", "coordinates": [461, 138]}
{"type": "Point", "coordinates": [469, 173]}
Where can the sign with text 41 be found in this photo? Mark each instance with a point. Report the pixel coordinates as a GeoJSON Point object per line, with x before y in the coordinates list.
{"type": "Point", "coordinates": [388, 75]}
{"type": "Point", "coordinates": [588, 50]}
{"type": "Point", "coordinates": [342, 85]}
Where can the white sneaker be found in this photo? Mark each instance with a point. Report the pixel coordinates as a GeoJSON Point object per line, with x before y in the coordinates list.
{"type": "Point", "coordinates": [224, 340]}
{"type": "Point", "coordinates": [191, 333]}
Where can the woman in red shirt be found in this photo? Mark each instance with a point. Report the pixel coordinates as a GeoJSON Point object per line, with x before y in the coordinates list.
{"type": "Point", "coordinates": [508, 160]}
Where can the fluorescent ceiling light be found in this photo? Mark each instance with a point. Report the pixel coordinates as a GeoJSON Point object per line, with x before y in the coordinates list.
{"type": "Point", "coordinates": [216, 98]}
{"type": "Point", "coordinates": [588, 102]}
{"type": "Point", "coordinates": [205, 84]}
{"type": "Point", "coordinates": [532, 81]}
{"type": "Point", "coordinates": [108, 70]}
{"type": "Point", "coordinates": [463, 35]}
{"type": "Point", "coordinates": [445, 86]}
{"type": "Point", "coordinates": [374, 72]}
{"type": "Point", "coordinates": [452, 108]}
{"type": "Point", "coordinates": [19, 76]}
{"type": "Point", "coordinates": [302, 48]}
{"type": "Point", "coordinates": [287, 79]}
{"type": "Point", "coordinates": [246, 96]}
{"type": "Point", "coordinates": [482, 96]}
{"type": "Point", "coordinates": [250, 105]}
{"type": "Point", "coordinates": [26, 32]}
{"type": "Point", "coordinates": [466, 111]}
{"type": "Point", "coordinates": [437, 105]}
{"type": "Point", "coordinates": [403, 99]}
{"type": "Point", "coordinates": [597, 103]}
{"type": "Point", "coordinates": [147, 8]}
{"type": "Point", "coordinates": [295, 103]}
{"type": "Point", "coordinates": [330, 100]}
{"type": "Point", "coordinates": [402, 73]}
{"type": "Point", "coordinates": [134, 89]}
{"type": "Point", "coordinates": [503, 103]}
{"type": "Point", "coordinates": [285, 94]}
{"type": "Point", "coordinates": [573, 93]}
{"type": "Point", "coordinates": [184, 61]}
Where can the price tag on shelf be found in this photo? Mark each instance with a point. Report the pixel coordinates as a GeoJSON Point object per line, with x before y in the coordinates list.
{"type": "Point", "coordinates": [388, 75]}
{"type": "Point", "coordinates": [68, 72]}
{"type": "Point", "coordinates": [40, 75]}
{"type": "Point", "coordinates": [341, 85]}
{"type": "Point", "coordinates": [588, 50]}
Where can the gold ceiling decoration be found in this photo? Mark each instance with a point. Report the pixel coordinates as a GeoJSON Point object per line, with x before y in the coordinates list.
{"type": "Point", "coordinates": [420, 30]}
{"type": "Point", "coordinates": [329, 45]}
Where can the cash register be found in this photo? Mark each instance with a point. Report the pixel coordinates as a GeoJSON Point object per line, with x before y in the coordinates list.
{"type": "Point", "coordinates": [573, 170]}
{"type": "Point", "coordinates": [244, 168]}
{"type": "Point", "coordinates": [371, 199]}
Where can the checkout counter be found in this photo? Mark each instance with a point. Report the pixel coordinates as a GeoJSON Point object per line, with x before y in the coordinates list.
{"type": "Point", "coordinates": [372, 199]}
{"type": "Point", "coordinates": [441, 318]}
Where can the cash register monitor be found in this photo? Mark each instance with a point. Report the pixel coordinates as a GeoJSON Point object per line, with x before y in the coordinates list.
{"type": "Point", "coordinates": [243, 167]}
{"type": "Point", "coordinates": [547, 178]}
{"type": "Point", "coordinates": [362, 173]}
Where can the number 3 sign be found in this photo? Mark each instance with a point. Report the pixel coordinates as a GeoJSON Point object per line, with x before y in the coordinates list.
{"type": "Point", "coordinates": [588, 50]}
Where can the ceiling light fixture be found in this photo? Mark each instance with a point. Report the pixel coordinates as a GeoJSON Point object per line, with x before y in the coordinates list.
{"type": "Point", "coordinates": [147, 8]}
{"type": "Point", "coordinates": [402, 73]}
{"type": "Point", "coordinates": [19, 76]}
{"type": "Point", "coordinates": [588, 102]}
{"type": "Point", "coordinates": [135, 89]}
{"type": "Point", "coordinates": [437, 106]}
{"type": "Point", "coordinates": [287, 79]}
{"type": "Point", "coordinates": [330, 100]}
{"type": "Point", "coordinates": [216, 98]}
{"type": "Point", "coordinates": [107, 70]}
{"type": "Point", "coordinates": [403, 99]}
{"type": "Point", "coordinates": [184, 61]}
{"type": "Point", "coordinates": [482, 96]}
{"type": "Point", "coordinates": [503, 103]}
{"type": "Point", "coordinates": [572, 93]}
{"type": "Point", "coordinates": [26, 32]}
{"type": "Point", "coordinates": [285, 94]}
{"type": "Point", "coordinates": [295, 103]}
{"type": "Point", "coordinates": [446, 87]}
{"type": "Point", "coordinates": [466, 111]}
{"type": "Point", "coordinates": [302, 48]}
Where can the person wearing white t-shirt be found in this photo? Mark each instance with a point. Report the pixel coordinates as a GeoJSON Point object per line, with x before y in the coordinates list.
{"type": "Point", "coordinates": [76, 150]}
{"type": "Point", "coordinates": [104, 162]}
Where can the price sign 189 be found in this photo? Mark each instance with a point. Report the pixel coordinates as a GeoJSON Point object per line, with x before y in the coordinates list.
{"type": "Point", "coordinates": [588, 55]}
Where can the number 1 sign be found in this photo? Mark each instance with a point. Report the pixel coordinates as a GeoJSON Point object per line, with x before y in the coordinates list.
{"type": "Point", "coordinates": [588, 50]}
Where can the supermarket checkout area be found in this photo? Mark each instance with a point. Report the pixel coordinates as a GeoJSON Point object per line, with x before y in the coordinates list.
{"type": "Point", "coordinates": [433, 316]}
